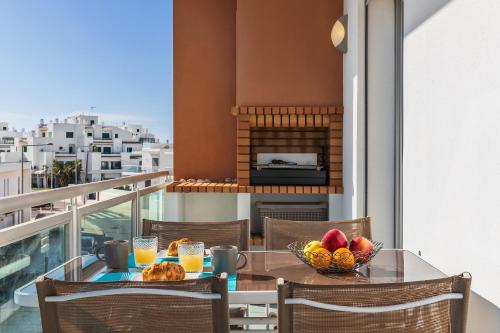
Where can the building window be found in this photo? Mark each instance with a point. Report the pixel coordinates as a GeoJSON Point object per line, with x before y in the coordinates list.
{"type": "Point", "coordinates": [156, 161]}
{"type": "Point", "coordinates": [50, 134]}
{"type": "Point", "coordinates": [92, 122]}
{"type": "Point", "coordinates": [137, 130]}
{"type": "Point", "coordinates": [60, 148]}
{"type": "Point", "coordinates": [89, 134]}
{"type": "Point", "coordinates": [116, 136]}
{"type": "Point", "coordinates": [25, 149]}
{"type": "Point", "coordinates": [142, 140]}
{"type": "Point", "coordinates": [105, 136]}
{"type": "Point", "coordinates": [104, 165]}
{"type": "Point", "coordinates": [43, 135]}
{"type": "Point", "coordinates": [69, 135]}
{"type": "Point", "coordinates": [129, 149]}
{"type": "Point", "coordinates": [4, 128]}
{"type": "Point", "coordinates": [116, 165]}
{"type": "Point", "coordinates": [106, 150]}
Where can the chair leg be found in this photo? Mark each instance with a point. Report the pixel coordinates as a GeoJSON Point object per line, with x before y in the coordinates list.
{"type": "Point", "coordinates": [272, 315]}
{"type": "Point", "coordinates": [237, 313]}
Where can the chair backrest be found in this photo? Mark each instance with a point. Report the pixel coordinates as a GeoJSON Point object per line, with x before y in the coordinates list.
{"type": "Point", "coordinates": [198, 305]}
{"type": "Point", "coordinates": [424, 306]}
{"type": "Point", "coordinates": [211, 233]}
{"type": "Point", "coordinates": [279, 233]}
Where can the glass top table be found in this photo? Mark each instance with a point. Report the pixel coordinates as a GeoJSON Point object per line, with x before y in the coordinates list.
{"type": "Point", "coordinates": [256, 282]}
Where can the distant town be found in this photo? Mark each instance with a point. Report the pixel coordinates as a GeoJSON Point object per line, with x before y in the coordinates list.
{"type": "Point", "coordinates": [74, 150]}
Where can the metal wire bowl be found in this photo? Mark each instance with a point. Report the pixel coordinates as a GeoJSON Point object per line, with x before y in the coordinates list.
{"type": "Point", "coordinates": [361, 258]}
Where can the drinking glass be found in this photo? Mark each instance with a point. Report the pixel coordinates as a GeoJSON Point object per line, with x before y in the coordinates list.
{"type": "Point", "coordinates": [145, 250]}
{"type": "Point", "coordinates": [191, 256]}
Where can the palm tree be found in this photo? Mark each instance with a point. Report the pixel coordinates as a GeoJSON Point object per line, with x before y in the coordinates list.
{"type": "Point", "coordinates": [79, 169]}
{"type": "Point", "coordinates": [60, 173]}
{"type": "Point", "coordinates": [45, 169]}
{"type": "Point", "coordinates": [64, 172]}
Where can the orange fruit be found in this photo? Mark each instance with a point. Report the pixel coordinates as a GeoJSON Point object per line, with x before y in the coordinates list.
{"type": "Point", "coordinates": [320, 258]}
{"type": "Point", "coordinates": [343, 259]}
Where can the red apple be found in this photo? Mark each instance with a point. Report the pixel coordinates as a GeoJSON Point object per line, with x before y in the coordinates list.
{"type": "Point", "coordinates": [361, 244]}
{"type": "Point", "coordinates": [334, 239]}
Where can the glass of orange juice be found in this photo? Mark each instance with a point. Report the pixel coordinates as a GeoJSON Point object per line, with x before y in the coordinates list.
{"type": "Point", "coordinates": [145, 250]}
{"type": "Point", "coordinates": [191, 256]}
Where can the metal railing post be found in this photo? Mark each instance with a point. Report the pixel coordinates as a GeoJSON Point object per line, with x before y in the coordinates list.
{"type": "Point", "coordinates": [136, 212]}
{"type": "Point", "coordinates": [74, 232]}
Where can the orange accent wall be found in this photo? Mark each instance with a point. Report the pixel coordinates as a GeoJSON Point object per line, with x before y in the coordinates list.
{"type": "Point", "coordinates": [245, 52]}
{"type": "Point", "coordinates": [285, 55]}
{"type": "Point", "coordinates": [204, 89]}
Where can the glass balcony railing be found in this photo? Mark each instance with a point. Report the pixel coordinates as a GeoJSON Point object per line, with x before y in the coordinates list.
{"type": "Point", "coordinates": [106, 224]}
{"type": "Point", "coordinates": [132, 168]}
{"type": "Point", "coordinates": [20, 263]}
{"type": "Point", "coordinates": [31, 249]}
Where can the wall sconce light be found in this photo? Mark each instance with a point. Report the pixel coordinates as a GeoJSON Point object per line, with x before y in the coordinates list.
{"type": "Point", "coordinates": [339, 34]}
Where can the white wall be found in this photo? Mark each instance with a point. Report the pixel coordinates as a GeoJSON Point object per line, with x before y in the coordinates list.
{"type": "Point", "coordinates": [451, 136]}
{"type": "Point", "coordinates": [380, 119]}
{"type": "Point", "coordinates": [353, 81]}
{"type": "Point", "coordinates": [200, 207]}
{"type": "Point", "coordinates": [10, 181]}
{"type": "Point", "coordinates": [210, 207]}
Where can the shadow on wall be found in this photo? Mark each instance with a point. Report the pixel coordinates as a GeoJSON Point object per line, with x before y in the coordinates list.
{"type": "Point", "coordinates": [482, 311]}
{"type": "Point", "coordinates": [421, 11]}
{"type": "Point", "coordinates": [483, 316]}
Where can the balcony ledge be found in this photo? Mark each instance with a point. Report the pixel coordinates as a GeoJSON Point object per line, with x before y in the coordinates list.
{"type": "Point", "coordinates": [187, 187]}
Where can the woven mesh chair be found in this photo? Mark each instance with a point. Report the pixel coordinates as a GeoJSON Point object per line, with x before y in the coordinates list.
{"type": "Point", "coordinates": [197, 306]}
{"type": "Point", "coordinates": [424, 306]}
{"type": "Point", "coordinates": [211, 233]}
{"type": "Point", "coordinates": [279, 233]}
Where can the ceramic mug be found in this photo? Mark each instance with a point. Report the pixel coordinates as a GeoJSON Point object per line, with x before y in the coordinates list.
{"type": "Point", "coordinates": [225, 258]}
{"type": "Point", "coordinates": [115, 253]}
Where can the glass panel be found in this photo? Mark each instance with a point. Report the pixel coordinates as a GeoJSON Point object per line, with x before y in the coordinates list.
{"type": "Point", "coordinates": [20, 263]}
{"type": "Point", "coordinates": [107, 224]}
{"type": "Point", "coordinates": [152, 205]}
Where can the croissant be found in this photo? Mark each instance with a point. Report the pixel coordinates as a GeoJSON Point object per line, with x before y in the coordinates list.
{"type": "Point", "coordinates": [165, 271]}
{"type": "Point", "coordinates": [173, 247]}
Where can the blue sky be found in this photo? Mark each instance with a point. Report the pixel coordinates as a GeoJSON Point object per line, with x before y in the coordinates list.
{"type": "Point", "coordinates": [59, 57]}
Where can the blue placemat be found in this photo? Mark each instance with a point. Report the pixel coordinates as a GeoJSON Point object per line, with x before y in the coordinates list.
{"type": "Point", "coordinates": [132, 274]}
{"type": "Point", "coordinates": [116, 276]}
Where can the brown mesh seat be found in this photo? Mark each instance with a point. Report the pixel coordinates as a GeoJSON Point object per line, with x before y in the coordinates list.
{"type": "Point", "coordinates": [424, 306]}
{"type": "Point", "coordinates": [148, 307]}
{"type": "Point", "coordinates": [211, 233]}
{"type": "Point", "coordinates": [279, 233]}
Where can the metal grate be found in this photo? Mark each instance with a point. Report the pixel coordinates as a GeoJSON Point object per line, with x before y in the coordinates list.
{"type": "Point", "coordinates": [296, 211]}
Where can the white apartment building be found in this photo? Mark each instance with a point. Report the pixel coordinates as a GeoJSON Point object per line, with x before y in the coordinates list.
{"type": "Point", "coordinates": [10, 138]}
{"type": "Point", "coordinates": [105, 151]}
{"type": "Point", "coordinates": [10, 184]}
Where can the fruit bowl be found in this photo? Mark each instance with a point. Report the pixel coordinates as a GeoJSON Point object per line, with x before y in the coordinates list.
{"type": "Point", "coordinates": [341, 265]}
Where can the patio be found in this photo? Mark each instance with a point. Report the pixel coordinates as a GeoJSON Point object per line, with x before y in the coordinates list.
{"type": "Point", "coordinates": [355, 209]}
{"type": "Point", "coordinates": [86, 226]}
